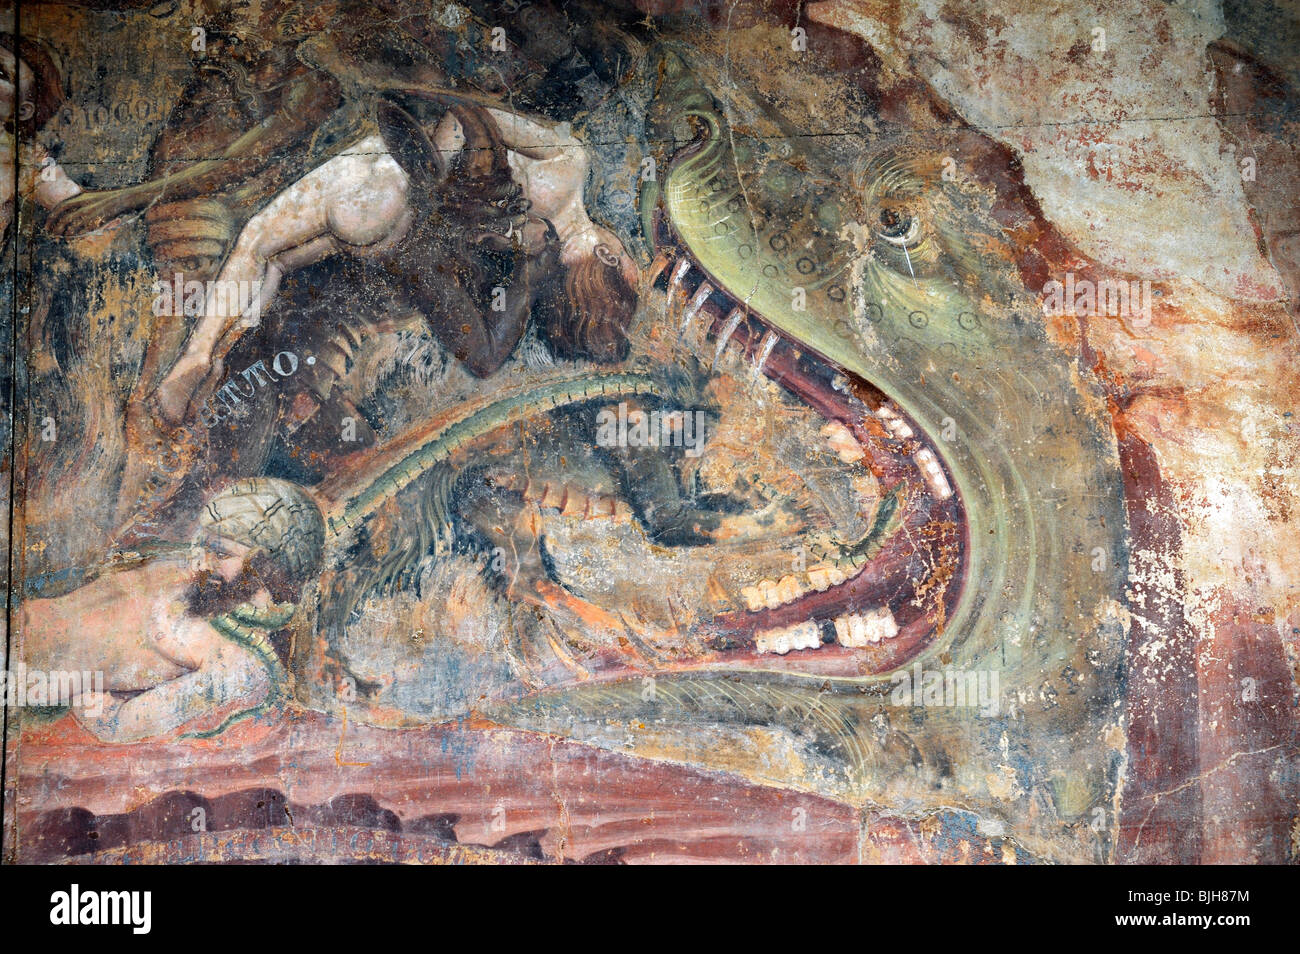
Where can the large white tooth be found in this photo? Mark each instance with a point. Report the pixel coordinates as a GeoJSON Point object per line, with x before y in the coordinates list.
{"type": "Point", "coordinates": [857, 630]}
{"type": "Point", "coordinates": [939, 484]}
{"type": "Point", "coordinates": [678, 274]}
{"type": "Point", "coordinates": [788, 589]}
{"type": "Point", "coordinates": [697, 302]}
{"type": "Point", "coordinates": [893, 422]}
{"type": "Point", "coordinates": [882, 624]}
{"type": "Point", "coordinates": [850, 631]}
{"type": "Point", "coordinates": [842, 630]}
{"type": "Point", "coordinates": [771, 641]}
{"type": "Point", "coordinates": [769, 342]}
{"type": "Point", "coordinates": [820, 578]}
{"type": "Point", "coordinates": [934, 475]}
{"type": "Point", "coordinates": [733, 322]}
{"type": "Point", "coordinates": [771, 596]}
{"type": "Point", "coordinates": [837, 576]}
{"type": "Point", "coordinates": [843, 442]}
{"type": "Point", "coordinates": [805, 635]}
{"type": "Point", "coordinates": [753, 597]}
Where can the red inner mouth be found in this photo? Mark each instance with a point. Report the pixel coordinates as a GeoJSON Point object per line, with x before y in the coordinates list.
{"type": "Point", "coordinates": [918, 571]}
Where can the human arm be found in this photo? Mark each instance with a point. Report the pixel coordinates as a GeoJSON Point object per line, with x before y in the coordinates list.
{"type": "Point", "coordinates": [39, 178]}
{"type": "Point", "coordinates": [533, 138]}
{"type": "Point", "coordinates": [227, 679]}
{"type": "Point", "coordinates": [353, 199]}
{"type": "Point", "coordinates": [305, 102]}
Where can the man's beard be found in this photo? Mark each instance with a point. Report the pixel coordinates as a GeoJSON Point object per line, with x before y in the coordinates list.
{"type": "Point", "coordinates": [210, 594]}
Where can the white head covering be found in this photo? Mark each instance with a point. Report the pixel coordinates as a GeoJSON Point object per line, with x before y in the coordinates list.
{"type": "Point", "coordinates": [275, 516]}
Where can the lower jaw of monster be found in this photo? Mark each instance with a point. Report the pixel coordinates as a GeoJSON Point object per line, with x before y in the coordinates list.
{"type": "Point", "coordinates": [877, 604]}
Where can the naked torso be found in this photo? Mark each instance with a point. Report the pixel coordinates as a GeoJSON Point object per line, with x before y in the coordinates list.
{"type": "Point", "coordinates": [148, 638]}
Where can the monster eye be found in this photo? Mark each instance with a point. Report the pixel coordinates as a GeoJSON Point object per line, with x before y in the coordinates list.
{"type": "Point", "coordinates": [899, 228]}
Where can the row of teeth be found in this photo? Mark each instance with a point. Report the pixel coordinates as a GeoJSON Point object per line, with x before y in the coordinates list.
{"type": "Point", "coordinates": [568, 500]}
{"type": "Point", "coordinates": [859, 629]}
{"type": "Point", "coordinates": [806, 635]}
{"type": "Point", "coordinates": [852, 630]}
{"type": "Point", "coordinates": [766, 594]}
{"type": "Point", "coordinates": [925, 459]}
{"type": "Point", "coordinates": [848, 448]}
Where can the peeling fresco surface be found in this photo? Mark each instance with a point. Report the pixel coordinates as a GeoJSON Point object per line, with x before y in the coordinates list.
{"type": "Point", "coordinates": [651, 431]}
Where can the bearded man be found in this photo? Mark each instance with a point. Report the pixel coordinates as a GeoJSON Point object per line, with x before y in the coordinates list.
{"type": "Point", "coordinates": [188, 642]}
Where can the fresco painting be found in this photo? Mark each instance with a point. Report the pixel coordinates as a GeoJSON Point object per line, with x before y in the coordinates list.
{"type": "Point", "coordinates": [651, 431]}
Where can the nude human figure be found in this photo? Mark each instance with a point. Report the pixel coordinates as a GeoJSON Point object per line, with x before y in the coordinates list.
{"type": "Point", "coordinates": [360, 203]}
{"type": "Point", "coordinates": [150, 641]}
{"type": "Point", "coordinates": [160, 640]}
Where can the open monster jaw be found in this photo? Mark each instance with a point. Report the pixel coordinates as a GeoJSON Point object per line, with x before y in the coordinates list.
{"type": "Point", "coordinates": [854, 608]}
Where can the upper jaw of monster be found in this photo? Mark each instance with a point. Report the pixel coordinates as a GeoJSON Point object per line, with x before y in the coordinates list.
{"type": "Point", "coordinates": [865, 595]}
{"type": "Point", "coordinates": [852, 605]}
{"type": "Point", "coordinates": [745, 291]}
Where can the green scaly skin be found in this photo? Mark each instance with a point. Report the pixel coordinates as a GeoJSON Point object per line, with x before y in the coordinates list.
{"type": "Point", "coordinates": [251, 628]}
{"type": "Point", "coordinates": [440, 447]}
